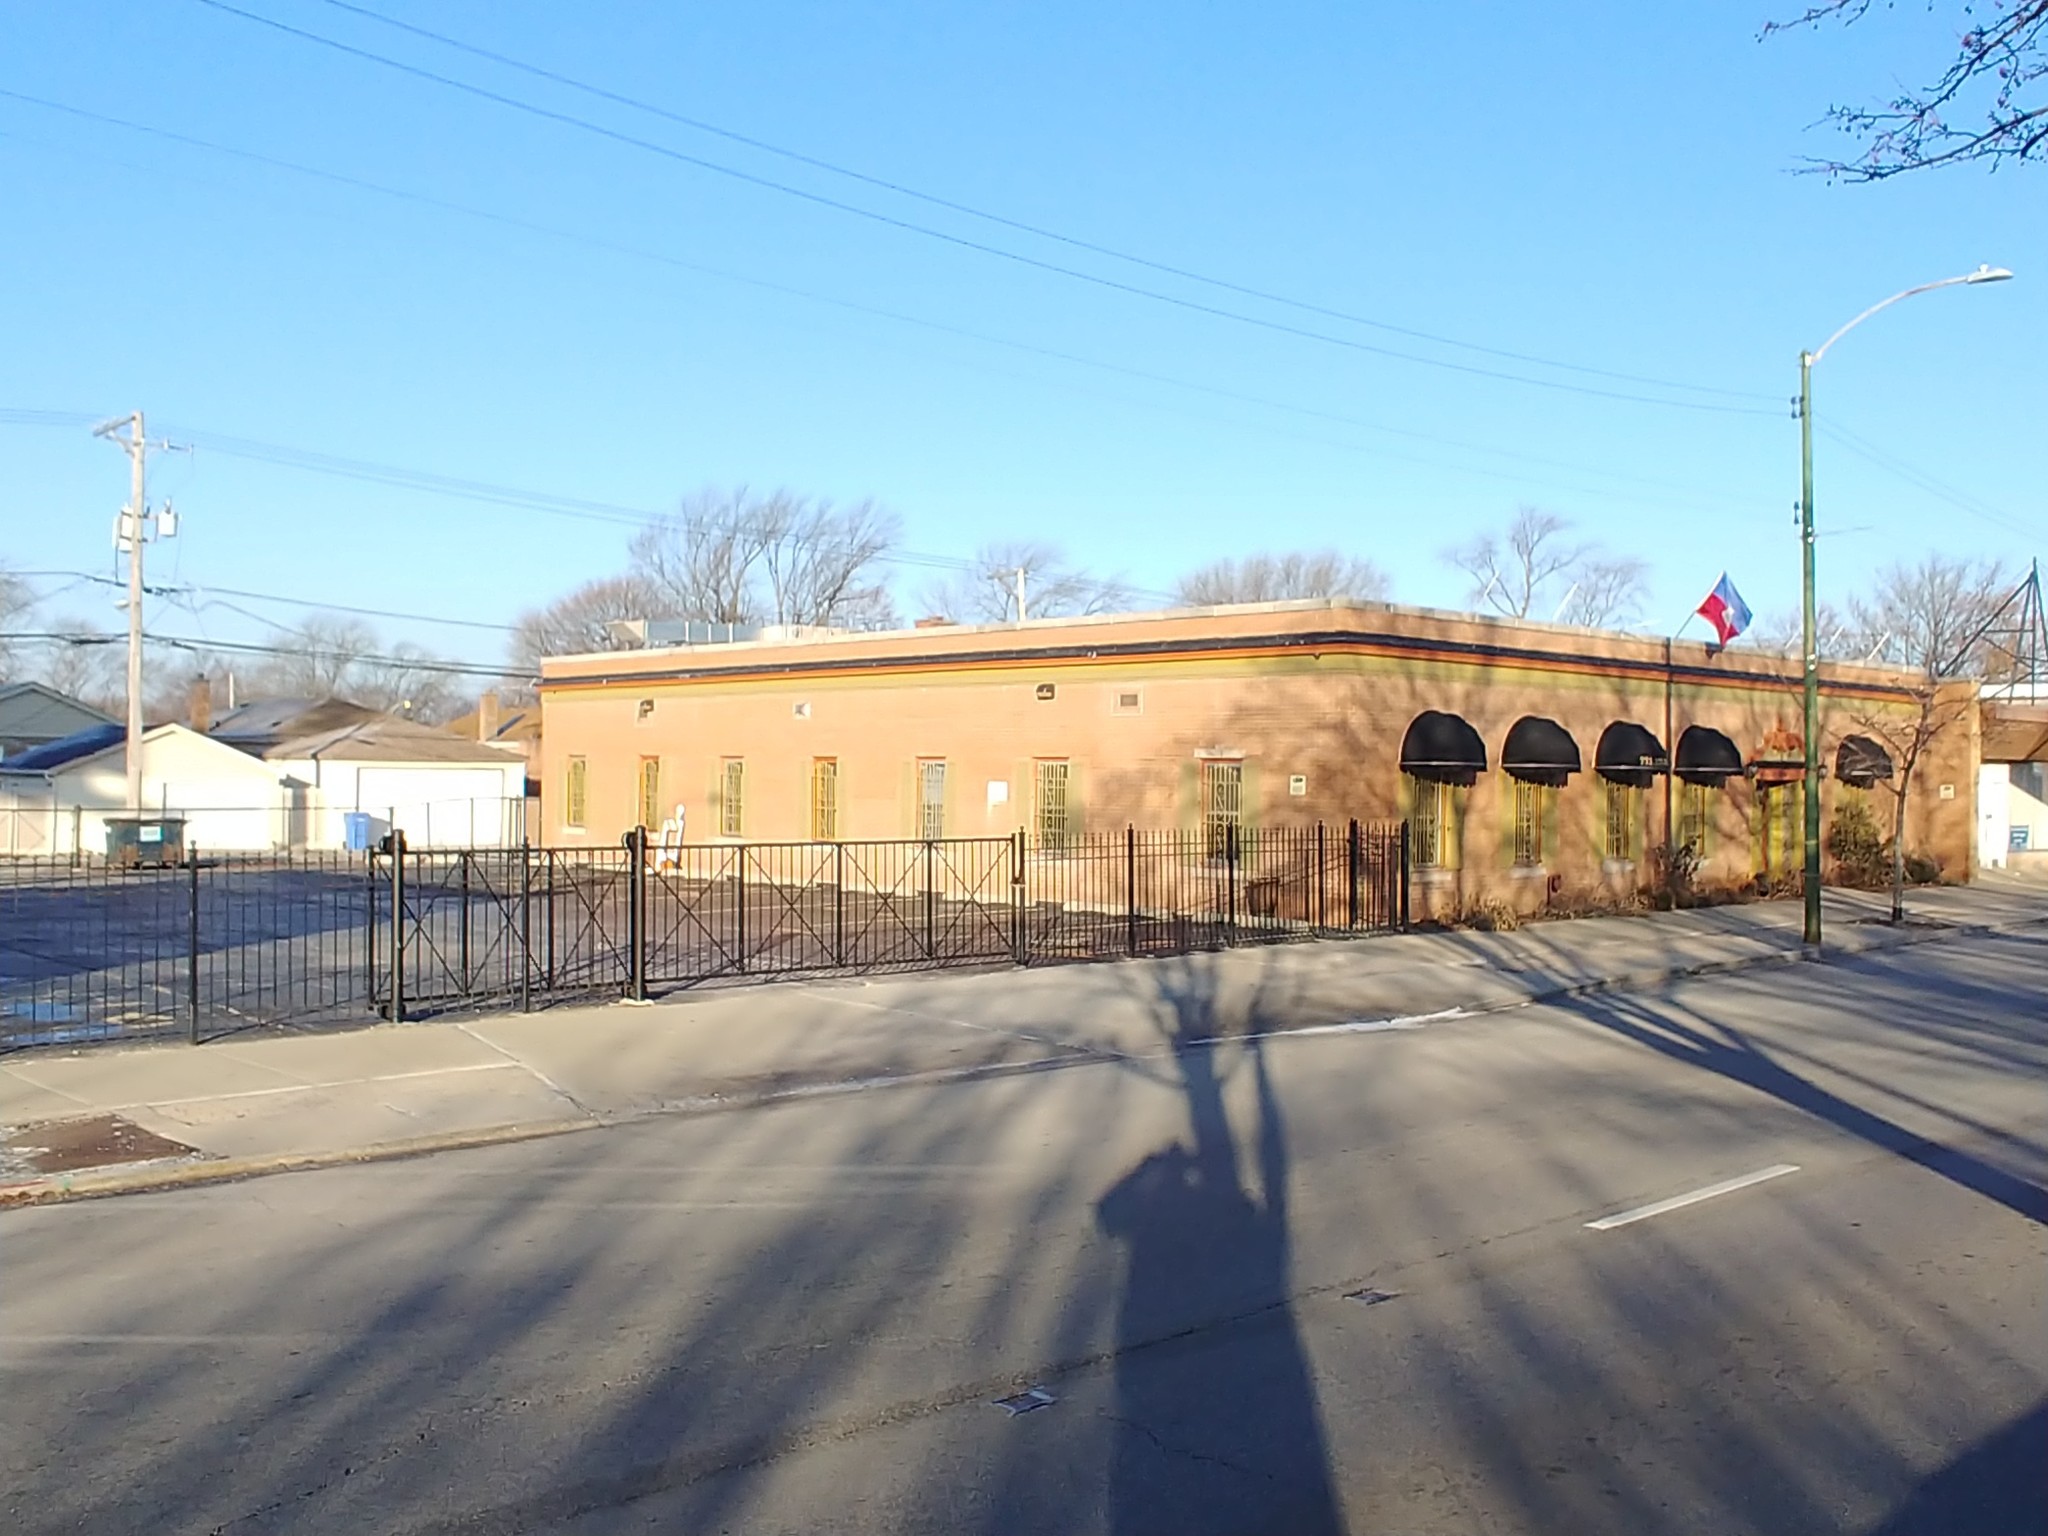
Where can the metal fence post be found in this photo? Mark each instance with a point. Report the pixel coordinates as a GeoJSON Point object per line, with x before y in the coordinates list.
{"type": "Point", "coordinates": [547, 975]}
{"type": "Point", "coordinates": [1351, 875]}
{"type": "Point", "coordinates": [930, 950]}
{"type": "Point", "coordinates": [192, 948]}
{"type": "Point", "coordinates": [1404, 874]}
{"type": "Point", "coordinates": [1321, 916]}
{"type": "Point", "coordinates": [839, 904]}
{"type": "Point", "coordinates": [370, 928]}
{"type": "Point", "coordinates": [397, 926]}
{"type": "Point", "coordinates": [1130, 888]}
{"type": "Point", "coordinates": [462, 939]}
{"type": "Point", "coordinates": [1019, 935]}
{"type": "Point", "coordinates": [636, 914]}
{"type": "Point", "coordinates": [525, 927]}
{"type": "Point", "coordinates": [1230, 875]}
{"type": "Point", "coordinates": [740, 895]}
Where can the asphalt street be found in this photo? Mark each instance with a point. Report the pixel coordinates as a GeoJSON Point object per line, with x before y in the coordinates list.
{"type": "Point", "coordinates": [1445, 1276]}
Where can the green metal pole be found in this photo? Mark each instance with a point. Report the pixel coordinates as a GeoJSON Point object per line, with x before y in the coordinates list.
{"type": "Point", "coordinates": [1811, 650]}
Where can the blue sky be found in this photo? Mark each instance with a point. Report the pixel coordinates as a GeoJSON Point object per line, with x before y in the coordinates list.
{"type": "Point", "coordinates": [1601, 184]}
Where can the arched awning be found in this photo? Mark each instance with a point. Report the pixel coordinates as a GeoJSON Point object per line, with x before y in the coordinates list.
{"type": "Point", "coordinates": [1862, 762]}
{"type": "Point", "coordinates": [1629, 754]}
{"type": "Point", "coordinates": [1442, 747]}
{"type": "Point", "coordinates": [1539, 751]}
{"type": "Point", "coordinates": [1705, 756]}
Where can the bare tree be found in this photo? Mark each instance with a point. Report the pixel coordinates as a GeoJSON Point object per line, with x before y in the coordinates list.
{"type": "Point", "coordinates": [734, 557]}
{"type": "Point", "coordinates": [1519, 571]}
{"type": "Point", "coordinates": [17, 603]}
{"type": "Point", "coordinates": [1783, 632]}
{"type": "Point", "coordinates": [1986, 105]}
{"type": "Point", "coordinates": [330, 656]}
{"type": "Point", "coordinates": [1922, 615]}
{"type": "Point", "coordinates": [986, 593]}
{"type": "Point", "coordinates": [820, 565]}
{"type": "Point", "coordinates": [1278, 578]}
{"type": "Point", "coordinates": [87, 664]}
{"type": "Point", "coordinates": [1606, 591]}
{"type": "Point", "coordinates": [579, 621]}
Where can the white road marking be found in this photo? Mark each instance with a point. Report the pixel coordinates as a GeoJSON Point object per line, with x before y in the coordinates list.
{"type": "Point", "coordinates": [1679, 1202]}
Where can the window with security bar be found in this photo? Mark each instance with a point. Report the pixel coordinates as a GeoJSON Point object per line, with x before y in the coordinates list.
{"type": "Point", "coordinates": [931, 799]}
{"type": "Point", "coordinates": [1426, 822]}
{"type": "Point", "coordinates": [732, 798]}
{"type": "Point", "coordinates": [1693, 820]}
{"type": "Point", "coordinates": [1528, 822]}
{"type": "Point", "coordinates": [650, 792]}
{"type": "Point", "coordinates": [1054, 822]}
{"type": "Point", "coordinates": [825, 799]}
{"type": "Point", "coordinates": [1621, 821]}
{"type": "Point", "coordinates": [576, 792]}
{"type": "Point", "coordinates": [1222, 806]}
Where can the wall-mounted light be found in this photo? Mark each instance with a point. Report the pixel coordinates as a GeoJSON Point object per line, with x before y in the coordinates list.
{"type": "Point", "coordinates": [1045, 690]}
{"type": "Point", "coordinates": [646, 708]}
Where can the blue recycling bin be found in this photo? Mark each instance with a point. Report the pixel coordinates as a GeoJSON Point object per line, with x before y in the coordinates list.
{"type": "Point", "coordinates": [355, 831]}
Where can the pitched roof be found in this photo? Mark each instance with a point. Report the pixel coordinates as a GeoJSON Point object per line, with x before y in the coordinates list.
{"type": "Point", "coordinates": [36, 712]}
{"type": "Point", "coordinates": [516, 727]}
{"type": "Point", "coordinates": [90, 742]}
{"type": "Point", "coordinates": [265, 722]}
{"type": "Point", "coordinates": [384, 739]}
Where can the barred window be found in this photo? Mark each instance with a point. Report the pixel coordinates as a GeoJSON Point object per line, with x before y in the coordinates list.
{"type": "Point", "coordinates": [1621, 821]}
{"type": "Point", "coordinates": [825, 799]}
{"type": "Point", "coordinates": [1054, 824]}
{"type": "Point", "coordinates": [576, 793]}
{"type": "Point", "coordinates": [1528, 822]}
{"type": "Point", "coordinates": [650, 792]}
{"type": "Point", "coordinates": [1426, 822]}
{"type": "Point", "coordinates": [931, 799]}
{"type": "Point", "coordinates": [1693, 820]}
{"type": "Point", "coordinates": [1222, 805]}
{"type": "Point", "coordinates": [732, 798]}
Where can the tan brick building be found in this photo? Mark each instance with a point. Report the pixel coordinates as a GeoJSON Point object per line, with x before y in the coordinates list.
{"type": "Point", "coordinates": [1529, 758]}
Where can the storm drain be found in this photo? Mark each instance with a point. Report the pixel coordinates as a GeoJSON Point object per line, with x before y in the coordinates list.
{"type": "Point", "coordinates": [1030, 1400]}
{"type": "Point", "coordinates": [1370, 1297]}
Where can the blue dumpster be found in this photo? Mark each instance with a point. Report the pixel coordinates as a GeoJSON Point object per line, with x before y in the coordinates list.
{"type": "Point", "coordinates": [355, 831]}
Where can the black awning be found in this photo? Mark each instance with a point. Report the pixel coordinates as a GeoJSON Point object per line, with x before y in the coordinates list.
{"type": "Point", "coordinates": [1705, 756]}
{"type": "Point", "coordinates": [1629, 754]}
{"type": "Point", "coordinates": [1539, 751]}
{"type": "Point", "coordinates": [1442, 747]}
{"type": "Point", "coordinates": [1862, 762]}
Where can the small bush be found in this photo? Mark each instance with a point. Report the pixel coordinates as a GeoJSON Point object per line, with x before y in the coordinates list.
{"type": "Point", "coordinates": [1858, 848]}
{"type": "Point", "coordinates": [1486, 916]}
{"type": "Point", "coordinates": [1922, 869]}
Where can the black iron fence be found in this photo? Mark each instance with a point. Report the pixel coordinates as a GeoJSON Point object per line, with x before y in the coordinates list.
{"type": "Point", "coordinates": [89, 952]}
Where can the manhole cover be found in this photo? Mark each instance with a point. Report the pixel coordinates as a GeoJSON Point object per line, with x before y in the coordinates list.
{"type": "Point", "coordinates": [98, 1141]}
{"type": "Point", "coordinates": [1030, 1400]}
{"type": "Point", "coordinates": [1370, 1297]}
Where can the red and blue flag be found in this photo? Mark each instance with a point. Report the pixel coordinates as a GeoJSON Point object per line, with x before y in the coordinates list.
{"type": "Point", "coordinates": [1725, 610]}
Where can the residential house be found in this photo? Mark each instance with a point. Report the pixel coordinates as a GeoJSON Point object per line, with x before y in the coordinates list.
{"type": "Point", "coordinates": [33, 714]}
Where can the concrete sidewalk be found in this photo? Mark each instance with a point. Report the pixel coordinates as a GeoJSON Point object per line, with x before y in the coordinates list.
{"type": "Point", "coordinates": [104, 1119]}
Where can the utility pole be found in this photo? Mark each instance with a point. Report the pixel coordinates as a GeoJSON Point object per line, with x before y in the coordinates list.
{"type": "Point", "coordinates": [132, 531]}
{"type": "Point", "coordinates": [1810, 649]}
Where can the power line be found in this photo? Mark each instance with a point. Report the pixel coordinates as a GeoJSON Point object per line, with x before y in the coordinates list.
{"type": "Point", "coordinates": [852, 306]}
{"type": "Point", "coordinates": [201, 645]}
{"type": "Point", "coordinates": [1194, 306]}
{"type": "Point", "coordinates": [1921, 480]}
{"type": "Point", "coordinates": [1042, 232]}
{"type": "Point", "coordinates": [200, 590]}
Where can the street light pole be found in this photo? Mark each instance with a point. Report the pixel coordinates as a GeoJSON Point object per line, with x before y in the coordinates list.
{"type": "Point", "coordinates": [1811, 880]}
{"type": "Point", "coordinates": [1810, 649]}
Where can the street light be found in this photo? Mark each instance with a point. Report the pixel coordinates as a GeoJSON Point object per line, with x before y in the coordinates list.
{"type": "Point", "coordinates": [1983, 274]}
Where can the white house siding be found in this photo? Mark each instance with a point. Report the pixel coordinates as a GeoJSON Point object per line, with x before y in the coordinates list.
{"type": "Point", "coordinates": [436, 805]}
{"type": "Point", "coordinates": [229, 800]}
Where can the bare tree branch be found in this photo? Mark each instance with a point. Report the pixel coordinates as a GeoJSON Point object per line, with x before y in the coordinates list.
{"type": "Point", "coordinates": [1278, 578]}
{"type": "Point", "coordinates": [1515, 572]}
{"type": "Point", "coordinates": [987, 593]}
{"type": "Point", "coordinates": [2001, 64]}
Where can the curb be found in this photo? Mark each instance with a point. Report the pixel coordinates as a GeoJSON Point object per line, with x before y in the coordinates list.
{"type": "Point", "coordinates": [67, 1188]}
